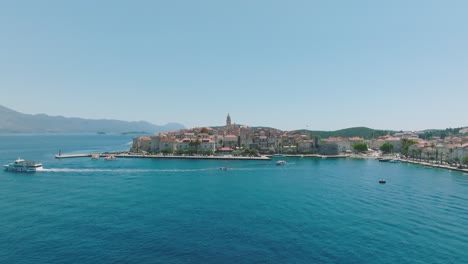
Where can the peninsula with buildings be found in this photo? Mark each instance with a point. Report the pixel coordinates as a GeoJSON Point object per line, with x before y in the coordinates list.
{"type": "Point", "coordinates": [241, 141]}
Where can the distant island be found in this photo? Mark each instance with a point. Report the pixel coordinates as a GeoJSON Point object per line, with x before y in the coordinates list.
{"type": "Point", "coordinates": [15, 122]}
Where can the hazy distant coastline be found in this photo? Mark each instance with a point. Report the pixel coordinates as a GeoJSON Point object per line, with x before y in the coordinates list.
{"type": "Point", "coordinates": [15, 122]}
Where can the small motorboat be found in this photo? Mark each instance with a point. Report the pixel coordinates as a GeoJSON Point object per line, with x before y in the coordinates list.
{"type": "Point", "coordinates": [382, 181]}
{"type": "Point", "coordinates": [384, 159]}
{"type": "Point", "coordinates": [110, 157]}
{"type": "Point", "coordinates": [281, 162]}
{"type": "Point", "coordinates": [223, 168]}
{"type": "Point", "coordinates": [95, 156]}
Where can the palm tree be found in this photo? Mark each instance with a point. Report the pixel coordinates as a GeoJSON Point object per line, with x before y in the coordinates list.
{"type": "Point", "coordinates": [419, 152]}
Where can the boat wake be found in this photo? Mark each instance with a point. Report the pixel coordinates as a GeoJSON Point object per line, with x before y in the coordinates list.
{"type": "Point", "coordinates": [122, 170]}
{"type": "Point", "coordinates": [87, 170]}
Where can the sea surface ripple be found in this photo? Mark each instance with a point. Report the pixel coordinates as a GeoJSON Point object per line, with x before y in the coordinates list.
{"type": "Point", "coordinates": [189, 211]}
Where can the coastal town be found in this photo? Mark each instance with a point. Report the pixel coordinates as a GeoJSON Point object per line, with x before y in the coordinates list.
{"type": "Point", "coordinates": [241, 140]}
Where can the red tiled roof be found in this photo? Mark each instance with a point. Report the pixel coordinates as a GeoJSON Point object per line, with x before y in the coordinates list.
{"type": "Point", "coordinates": [336, 139]}
{"type": "Point", "coordinates": [168, 140]}
{"type": "Point", "coordinates": [226, 149]}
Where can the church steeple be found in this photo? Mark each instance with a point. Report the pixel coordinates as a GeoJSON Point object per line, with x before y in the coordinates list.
{"type": "Point", "coordinates": [228, 120]}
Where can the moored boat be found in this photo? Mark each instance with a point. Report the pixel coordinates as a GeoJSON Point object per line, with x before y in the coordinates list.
{"type": "Point", "coordinates": [384, 159]}
{"type": "Point", "coordinates": [95, 157]}
{"type": "Point", "coordinates": [21, 165]}
{"type": "Point", "coordinates": [110, 157]}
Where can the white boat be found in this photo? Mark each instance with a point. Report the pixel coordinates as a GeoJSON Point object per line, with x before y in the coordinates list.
{"type": "Point", "coordinates": [281, 162]}
{"type": "Point", "coordinates": [21, 165]}
{"type": "Point", "coordinates": [110, 157]}
{"type": "Point", "coordinates": [95, 157]}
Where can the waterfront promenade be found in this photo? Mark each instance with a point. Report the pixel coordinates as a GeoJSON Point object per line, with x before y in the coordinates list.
{"type": "Point", "coordinates": [434, 165]}
{"type": "Point", "coordinates": [218, 157]}
{"type": "Point", "coordinates": [415, 162]}
{"type": "Point", "coordinates": [125, 155]}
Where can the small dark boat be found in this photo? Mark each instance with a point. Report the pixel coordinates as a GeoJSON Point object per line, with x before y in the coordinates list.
{"type": "Point", "coordinates": [223, 168]}
{"type": "Point", "coordinates": [382, 181]}
{"type": "Point", "coordinates": [384, 159]}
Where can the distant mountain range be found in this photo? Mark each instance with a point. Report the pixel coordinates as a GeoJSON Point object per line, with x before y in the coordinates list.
{"type": "Point", "coordinates": [16, 122]}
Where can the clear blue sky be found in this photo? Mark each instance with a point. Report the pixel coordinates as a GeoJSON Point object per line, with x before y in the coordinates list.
{"type": "Point", "coordinates": [321, 65]}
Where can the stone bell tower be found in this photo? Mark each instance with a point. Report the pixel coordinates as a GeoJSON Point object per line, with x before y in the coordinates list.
{"type": "Point", "coordinates": [228, 120]}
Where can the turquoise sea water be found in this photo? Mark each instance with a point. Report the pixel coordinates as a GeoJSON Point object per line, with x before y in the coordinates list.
{"type": "Point", "coordinates": [189, 211]}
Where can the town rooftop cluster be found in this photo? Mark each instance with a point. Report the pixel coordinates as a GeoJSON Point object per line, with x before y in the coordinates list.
{"type": "Point", "coordinates": [232, 138]}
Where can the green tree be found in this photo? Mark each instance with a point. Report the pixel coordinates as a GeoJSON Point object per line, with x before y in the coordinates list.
{"type": "Point", "coordinates": [427, 135]}
{"type": "Point", "coordinates": [465, 160]}
{"type": "Point", "coordinates": [386, 147]}
{"type": "Point", "coordinates": [360, 146]}
{"type": "Point", "coordinates": [289, 151]}
{"type": "Point", "coordinates": [419, 153]}
{"type": "Point", "coordinates": [167, 151]}
{"type": "Point", "coordinates": [405, 144]}
{"type": "Point", "coordinates": [254, 152]}
{"type": "Point", "coordinates": [195, 144]}
{"type": "Point", "coordinates": [250, 152]}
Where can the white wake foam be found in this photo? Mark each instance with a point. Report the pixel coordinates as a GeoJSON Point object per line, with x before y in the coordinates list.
{"type": "Point", "coordinates": [120, 170]}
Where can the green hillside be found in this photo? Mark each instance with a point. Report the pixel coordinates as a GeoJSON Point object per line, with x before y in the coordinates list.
{"type": "Point", "coordinates": [364, 132]}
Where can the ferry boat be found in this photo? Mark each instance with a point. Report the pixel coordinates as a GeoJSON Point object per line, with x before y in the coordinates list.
{"type": "Point", "coordinates": [21, 165]}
